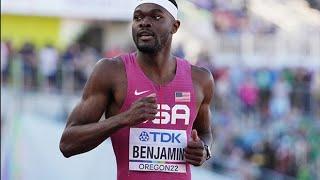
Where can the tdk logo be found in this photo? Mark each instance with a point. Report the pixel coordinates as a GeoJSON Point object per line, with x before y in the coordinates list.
{"type": "Point", "coordinates": [165, 137]}
{"type": "Point", "coordinates": [144, 136]}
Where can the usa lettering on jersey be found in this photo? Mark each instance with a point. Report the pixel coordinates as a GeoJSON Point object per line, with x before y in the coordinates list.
{"type": "Point", "coordinates": [172, 115]}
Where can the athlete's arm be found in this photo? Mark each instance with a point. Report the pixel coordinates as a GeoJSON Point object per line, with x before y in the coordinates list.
{"type": "Point", "coordinates": [84, 131]}
{"type": "Point", "coordinates": [203, 120]}
{"type": "Point", "coordinates": [201, 135]}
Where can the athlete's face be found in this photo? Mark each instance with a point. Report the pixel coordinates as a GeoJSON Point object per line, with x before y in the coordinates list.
{"type": "Point", "coordinates": [152, 27]}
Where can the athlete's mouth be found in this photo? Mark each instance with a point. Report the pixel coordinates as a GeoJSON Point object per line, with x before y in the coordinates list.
{"type": "Point", "coordinates": [145, 35]}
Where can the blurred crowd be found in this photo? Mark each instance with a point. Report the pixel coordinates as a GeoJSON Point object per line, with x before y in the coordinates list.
{"type": "Point", "coordinates": [232, 16]}
{"type": "Point", "coordinates": [48, 67]}
{"type": "Point", "coordinates": [266, 122]}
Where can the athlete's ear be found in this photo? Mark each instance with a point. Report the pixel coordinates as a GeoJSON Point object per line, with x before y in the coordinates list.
{"type": "Point", "coordinates": [175, 26]}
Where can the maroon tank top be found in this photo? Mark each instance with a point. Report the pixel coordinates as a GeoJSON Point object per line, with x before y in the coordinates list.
{"type": "Point", "coordinates": [153, 150]}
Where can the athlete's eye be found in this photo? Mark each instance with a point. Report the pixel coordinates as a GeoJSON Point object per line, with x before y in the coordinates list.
{"type": "Point", "coordinates": [137, 18]}
{"type": "Point", "coordinates": [157, 17]}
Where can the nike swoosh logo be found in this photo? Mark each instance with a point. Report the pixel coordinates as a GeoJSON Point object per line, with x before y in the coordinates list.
{"type": "Point", "coordinates": [140, 93]}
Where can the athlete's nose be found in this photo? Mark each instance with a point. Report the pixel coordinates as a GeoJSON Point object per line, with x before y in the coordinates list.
{"type": "Point", "coordinates": [145, 22]}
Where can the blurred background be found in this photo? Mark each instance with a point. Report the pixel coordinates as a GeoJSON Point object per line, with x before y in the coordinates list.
{"type": "Point", "coordinates": [264, 56]}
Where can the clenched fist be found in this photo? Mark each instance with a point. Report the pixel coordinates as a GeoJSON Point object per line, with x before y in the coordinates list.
{"type": "Point", "coordinates": [195, 152]}
{"type": "Point", "coordinates": [141, 110]}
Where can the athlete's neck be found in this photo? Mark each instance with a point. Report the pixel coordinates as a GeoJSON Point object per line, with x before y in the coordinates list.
{"type": "Point", "coordinates": [160, 66]}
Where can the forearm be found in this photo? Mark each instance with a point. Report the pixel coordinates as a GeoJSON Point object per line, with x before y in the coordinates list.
{"type": "Point", "coordinates": [82, 138]}
{"type": "Point", "coordinates": [206, 137]}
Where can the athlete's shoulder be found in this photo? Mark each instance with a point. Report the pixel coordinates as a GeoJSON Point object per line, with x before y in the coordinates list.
{"type": "Point", "coordinates": [201, 75]}
{"type": "Point", "coordinates": [202, 78]}
{"type": "Point", "coordinates": [107, 70]}
{"type": "Point", "coordinates": [112, 64]}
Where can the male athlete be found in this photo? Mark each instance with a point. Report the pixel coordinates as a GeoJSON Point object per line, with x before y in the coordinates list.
{"type": "Point", "coordinates": [156, 105]}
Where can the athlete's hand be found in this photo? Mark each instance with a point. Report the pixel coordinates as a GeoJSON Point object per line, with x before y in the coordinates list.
{"type": "Point", "coordinates": [141, 110]}
{"type": "Point", "coordinates": [195, 152]}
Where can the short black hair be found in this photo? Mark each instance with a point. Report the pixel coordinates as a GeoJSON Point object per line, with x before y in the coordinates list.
{"type": "Point", "coordinates": [174, 2]}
